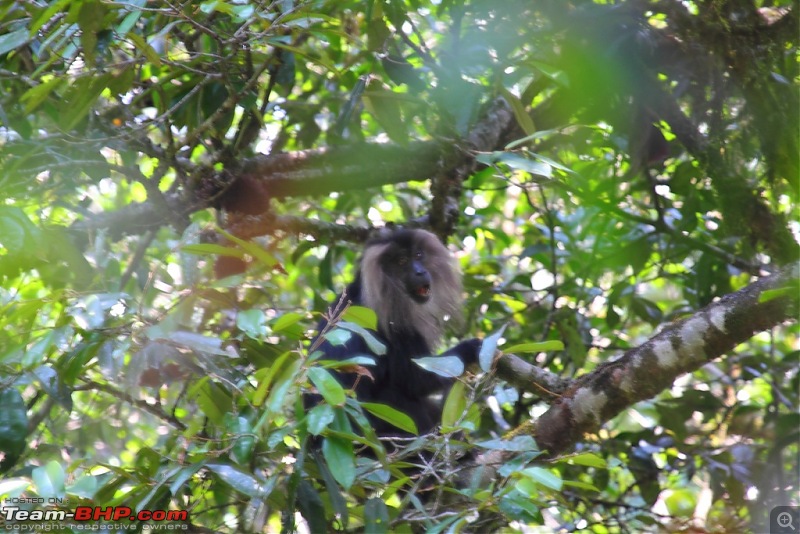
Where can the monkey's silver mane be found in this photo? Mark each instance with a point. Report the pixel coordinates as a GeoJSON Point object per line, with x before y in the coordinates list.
{"type": "Point", "coordinates": [398, 314]}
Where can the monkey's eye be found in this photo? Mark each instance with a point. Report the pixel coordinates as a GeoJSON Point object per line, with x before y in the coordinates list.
{"type": "Point", "coordinates": [402, 260]}
{"type": "Point", "coordinates": [418, 255]}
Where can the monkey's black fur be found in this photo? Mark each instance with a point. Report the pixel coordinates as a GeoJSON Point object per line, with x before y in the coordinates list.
{"type": "Point", "coordinates": [409, 279]}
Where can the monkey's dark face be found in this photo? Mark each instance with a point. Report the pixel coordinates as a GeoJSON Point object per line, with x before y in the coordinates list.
{"type": "Point", "coordinates": [406, 263]}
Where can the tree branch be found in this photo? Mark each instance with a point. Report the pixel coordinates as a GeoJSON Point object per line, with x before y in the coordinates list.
{"type": "Point", "coordinates": [641, 373]}
{"type": "Point", "coordinates": [681, 348]}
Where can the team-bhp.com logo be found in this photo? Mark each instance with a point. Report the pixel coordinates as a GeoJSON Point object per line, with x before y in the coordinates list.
{"type": "Point", "coordinates": [17, 518]}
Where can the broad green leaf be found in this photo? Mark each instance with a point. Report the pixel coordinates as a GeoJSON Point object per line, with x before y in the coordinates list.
{"type": "Point", "coordinates": [376, 516]}
{"type": "Point", "coordinates": [85, 486]}
{"type": "Point", "coordinates": [362, 316]}
{"type": "Point", "coordinates": [13, 40]}
{"type": "Point", "coordinates": [283, 384]}
{"type": "Point", "coordinates": [286, 320]}
{"type": "Point", "coordinates": [454, 405]}
{"type": "Point", "coordinates": [338, 336]}
{"type": "Point", "coordinates": [213, 400]}
{"type": "Point", "coordinates": [237, 479]}
{"type": "Point", "coordinates": [251, 322]}
{"type": "Point", "coordinates": [555, 74]}
{"type": "Point", "coordinates": [81, 97]}
{"type": "Point", "coordinates": [242, 449]}
{"type": "Point", "coordinates": [387, 113]}
{"type": "Point", "coordinates": [49, 480]}
{"type": "Point", "coordinates": [339, 456]}
{"type": "Point", "coordinates": [327, 386]}
{"type": "Point", "coordinates": [447, 366]}
{"type": "Point", "coordinates": [372, 342]}
{"type": "Point", "coordinates": [542, 477]}
{"type": "Point", "coordinates": [392, 416]}
{"type": "Point", "coordinates": [311, 506]}
{"type": "Point", "coordinates": [34, 96]}
{"type": "Point", "coordinates": [318, 418]}
{"type": "Point", "coordinates": [254, 249]}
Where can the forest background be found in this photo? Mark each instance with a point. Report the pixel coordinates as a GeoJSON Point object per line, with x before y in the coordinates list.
{"type": "Point", "coordinates": [186, 186]}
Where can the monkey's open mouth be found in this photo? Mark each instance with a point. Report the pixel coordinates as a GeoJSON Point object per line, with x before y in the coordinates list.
{"type": "Point", "coordinates": [424, 291]}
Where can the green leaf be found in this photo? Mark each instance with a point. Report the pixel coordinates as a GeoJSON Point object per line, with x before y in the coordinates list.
{"type": "Point", "coordinates": [375, 346]}
{"type": "Point", "coordinates": [311, 507]}
{"type": "Point", "coordinates": [148, 51]}
{"type": "Point", "coordinates": [34, 96]}
{"type": "Point", "coordinates": [80, 98]}
{"type": "Point", "coordinates": [242, 450]}
{"type": "Point", "coordinates": [517, 444]}
{"type": "Point", "coordinates": [772, 294]}
{"type": "Point", "coordinates": [13, 40]}
{"type": "Point", "coordinates": [338, 336]}
{"type": "Point", "coordinates": [515, 161]}
{"type": "Point", "coordinates": [541, 346]}
{"type": "Point", "coordinates": [392, 416]}
{"type": "Point", "coordinates": [213, 400]}
{"type": "Point", "coordinates": [90, 20]}
{"type": "Point", "coordinates": [330, 388]}
{"type": "Point", "coordinates": [254, 249]}
{"type": "Point", "coordinates": [518, 107]}
{"type": "Point", "coordinates": [318, 418]}
{"type": "Point", "coordinates": [541, 134]}
{"type": "Point", "coordinates": [283, 383]}
{"type": "Point", "coordinates": [581, 485]}
{"type": "Point", "coordinates": [276, 42]}
{"type": "Point", "coordinates": [13, 427]}
{"type": "Point", "coordinates": [251, 322]}
{"type": "Point", "coordinates": [192, 340]}
{"type": "Point", "coordinates": [488, 349]}
{"type": "Point", "coordinates": [131, 18]}
{"type": "Point", "coordinates": [236, 478]}
{"type": "Point", "coordinates": [85, 486]}
{"type": "Point", "coordinates": [376, 516]}
{"type": "Point", "coordinates": [447, 366]}
{"type": "Point", "coordinates": [355, 360]}
{"type": "Point", "coordinates": [387, 113]}
{"type": "Point", "coordinates": [265, 381]}
{"type": "Point", "coordinates": [212, 249]}
{"type": "Point", "coordinates": [17, 233]}
{"type": "Point", "coordinates": [339, 456]}
{"type": "Point", "coordinates": [454, 405]}
{"type": "Point", "coordinates": [286, 320]}
{"type": "Point", "coordinates": [542, 477]}
{"type": "Point", "coordinates": [362, 316]}
{"type": "Point", "coordinates": [585, 458]}
{"type": "Point", "coordinates": [49, 480]}
{"type": "Point", "coordinates": [555, 74]}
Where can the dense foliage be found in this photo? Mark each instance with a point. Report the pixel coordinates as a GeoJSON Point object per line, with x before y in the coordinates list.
{"type": "Point", "coordinates": [600, 169]}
